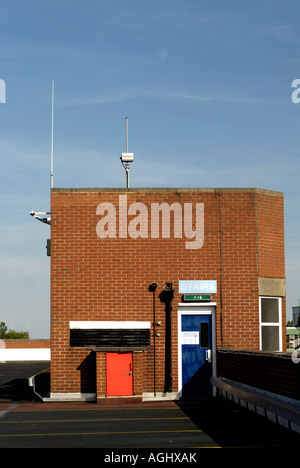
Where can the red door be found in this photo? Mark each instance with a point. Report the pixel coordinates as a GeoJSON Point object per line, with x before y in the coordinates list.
{"type": "Point", "coordinates": [119, 374]}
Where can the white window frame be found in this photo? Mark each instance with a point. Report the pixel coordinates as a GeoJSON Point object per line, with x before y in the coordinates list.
{"type": "Point", "coordinates": [270, 324]}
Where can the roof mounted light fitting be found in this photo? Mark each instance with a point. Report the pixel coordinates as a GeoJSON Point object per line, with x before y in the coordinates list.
{"type": "Point", "coordinates": [127, 157]}
{"type": "Point", "coordinates": [153, 286]}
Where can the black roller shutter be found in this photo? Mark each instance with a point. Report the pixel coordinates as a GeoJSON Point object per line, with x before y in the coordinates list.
{"type": "Point", "coordinates": [94, 338]}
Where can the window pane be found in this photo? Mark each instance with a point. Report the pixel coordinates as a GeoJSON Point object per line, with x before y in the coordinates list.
{"type": "Point", "coordinates": [204, 336]}
{"type": "Point", "coordinates": [269, 310]}
{"type": "Point", "coordinates": [270, 338]}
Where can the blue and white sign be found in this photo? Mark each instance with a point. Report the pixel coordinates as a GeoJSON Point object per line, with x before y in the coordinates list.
{"type": "Point", "coordinates": [198, 287]}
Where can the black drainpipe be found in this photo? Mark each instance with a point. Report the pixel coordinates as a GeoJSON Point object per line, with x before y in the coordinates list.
{"type": "Point", "coordinates": [152, 288]}
{"type": "Point", "coordinates": [166, 296]}
{"type": "Point", "coordinates": [221, 269]}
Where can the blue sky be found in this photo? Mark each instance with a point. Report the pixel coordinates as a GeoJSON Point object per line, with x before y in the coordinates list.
{"type": "Point", "coordinates": [206, 87]}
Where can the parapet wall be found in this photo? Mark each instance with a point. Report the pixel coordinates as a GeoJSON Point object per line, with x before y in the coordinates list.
{"type": "Point", "coordinates": [24, 350]}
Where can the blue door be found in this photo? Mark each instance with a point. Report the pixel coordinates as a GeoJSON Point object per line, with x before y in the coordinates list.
{"type": "Point", "coordinates": [196, 355]}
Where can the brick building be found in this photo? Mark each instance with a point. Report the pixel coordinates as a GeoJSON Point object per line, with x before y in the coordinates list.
{"type": "Point", "coordinates": [146, 285]}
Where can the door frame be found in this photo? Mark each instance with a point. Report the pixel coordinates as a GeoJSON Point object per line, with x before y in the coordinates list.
{"type": "Point", "coordinates": [207, 308]}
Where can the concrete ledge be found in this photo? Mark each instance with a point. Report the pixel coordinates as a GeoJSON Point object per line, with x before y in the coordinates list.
{"type": "Point", "coordinates": [283, 411]}
{"type": "Point", "coordinates": [168, 190]}
{"type": "Point", "coordinates": [271, 287]}
{"type": "Point", "coordinates": [160, 396]}
{"type": "Point", "coordinates": [69, 397]}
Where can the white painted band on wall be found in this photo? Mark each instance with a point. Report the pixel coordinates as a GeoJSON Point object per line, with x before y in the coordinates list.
{"type": "Point", "coordinates": [96, 325]}
{"type": "Point", "coordinates": [23, 354]}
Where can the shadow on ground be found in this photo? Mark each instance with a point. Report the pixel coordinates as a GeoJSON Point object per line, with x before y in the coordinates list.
{"type": "Point", "coordinates": [20, 390]}
{"type": "Point", "coordinates": [232, 426]}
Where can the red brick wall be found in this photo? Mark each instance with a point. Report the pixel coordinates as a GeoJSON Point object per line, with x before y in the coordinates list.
{"type": "Point", "coordinates": [270, 246]}
{"type": "Point", "coordinates": [270, 228]}
{"type": "Point", "coordinates": [239, 268]}
{"type": "Point", "coordinates": [108, 279]}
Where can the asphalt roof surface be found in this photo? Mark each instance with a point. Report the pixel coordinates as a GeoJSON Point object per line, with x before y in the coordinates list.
{"type": "Point", "coordinates": [27, 422]}
{"type": "Point", "coordinates": [10, 371]}
{"type": "Point", "coordinates": [14, 379]}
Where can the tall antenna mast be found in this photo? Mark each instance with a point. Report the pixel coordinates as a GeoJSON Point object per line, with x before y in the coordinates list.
{"type": "Point", "coordinates": [126, 158]}
{"type": "Point", "coordinates": [51, 176]}
{"type": "Point", "coordinates": [45, 216]}
{"type": "Point", "coordinates": [126, 122]}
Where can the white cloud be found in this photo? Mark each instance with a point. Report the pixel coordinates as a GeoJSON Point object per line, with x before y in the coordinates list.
{"type": "Point", "coordinates": [136, 93]}
{"type": "Point", "coordinates": [281, 32]}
